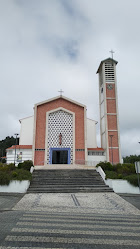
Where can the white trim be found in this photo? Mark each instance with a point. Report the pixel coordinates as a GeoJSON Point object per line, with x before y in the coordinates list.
{"type": "Point", "coordinates": [100, 106]}
{"type": "Point", "coordinates": [60, 97]}
{"type": "Point", "coordinates": [25, 118]}
{"type": "Point", "coordinates": [101, 172]}
{"type": "Point", "coordinates": [85, 131]}
{"type": "Point", "coordinates": [46, 132]}
{"type": "Point", "coordinates": [34, 135]}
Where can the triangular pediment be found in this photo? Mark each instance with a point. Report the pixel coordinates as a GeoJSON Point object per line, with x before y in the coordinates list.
{"type": "Point", "coordinates": [60, 97]}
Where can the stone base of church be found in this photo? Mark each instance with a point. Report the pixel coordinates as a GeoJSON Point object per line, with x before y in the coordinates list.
{"type": "Point", "coordinates": [63, 166]}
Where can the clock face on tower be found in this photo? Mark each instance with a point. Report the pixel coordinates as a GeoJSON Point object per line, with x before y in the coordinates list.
{"type": "Point", "coordinates": [109, 86]}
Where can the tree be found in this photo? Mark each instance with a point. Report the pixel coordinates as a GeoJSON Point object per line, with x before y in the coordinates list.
{"type": "Point", "coordinates": [6, 143]}
{"type": "Point", "coordinates": [131, 159]}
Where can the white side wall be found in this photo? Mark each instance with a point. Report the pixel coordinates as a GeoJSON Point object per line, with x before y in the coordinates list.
{"type": "Point", "coordinates": [97, 158]}
{"type": "Point", "coordinates": [91, 134]}
{"type": "Point", "coordinates": [26, 155]}
{"type": "Point", "coordinates": [26, 131]}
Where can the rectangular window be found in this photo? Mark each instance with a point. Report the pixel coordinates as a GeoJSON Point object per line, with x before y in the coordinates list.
{"type": "Point", "coordinates": [95, 153]}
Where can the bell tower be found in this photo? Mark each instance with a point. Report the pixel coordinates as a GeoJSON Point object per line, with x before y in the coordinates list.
{"type": "Point", "coordinates": [108, 102]}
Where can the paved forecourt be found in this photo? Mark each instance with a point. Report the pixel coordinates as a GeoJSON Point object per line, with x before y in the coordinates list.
{"type": "Point", "coordinates": [102, 203]}
{"type": "Point", "coordinates": [80, 220]}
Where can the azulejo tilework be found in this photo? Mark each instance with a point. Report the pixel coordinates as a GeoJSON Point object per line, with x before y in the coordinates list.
{"type": "Point", "coordinates": [60, 122]}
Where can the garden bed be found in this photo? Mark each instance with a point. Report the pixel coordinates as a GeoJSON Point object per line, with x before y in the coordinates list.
{"type": "Point", "coordinates": [124, 171]}
{"type": "Point", "coordinates": [10, 173]}
{"type": "Point", "coordinates": [121, 177]}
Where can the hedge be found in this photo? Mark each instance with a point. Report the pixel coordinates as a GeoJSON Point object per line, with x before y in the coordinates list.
{"type": "Point", "coordinates": [124, 171]}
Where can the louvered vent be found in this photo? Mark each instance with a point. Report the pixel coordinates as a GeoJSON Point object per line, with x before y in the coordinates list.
{"type": "Point", "coordinates": [109, 72]}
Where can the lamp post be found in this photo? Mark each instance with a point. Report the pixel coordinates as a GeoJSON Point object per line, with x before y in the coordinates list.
{"type": "Point", "coordinates": [16, 134]}
{"type": "Point", "coordinates": [111, 136]}
{"type": "Point", "coordinates": [138, 173]}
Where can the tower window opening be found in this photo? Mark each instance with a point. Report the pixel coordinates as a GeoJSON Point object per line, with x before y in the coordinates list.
{"type": "Point", "coordinates": [109, 72]}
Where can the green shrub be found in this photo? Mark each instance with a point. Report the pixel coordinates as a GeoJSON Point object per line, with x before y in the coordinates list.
{"type": "Point", "coordinates": [117, 168]}
{"type": "Point", "coordinates": [120, 176]}
{"type": "Point", "coordinates": [105, 166]}
{"type": "Point", "coordinates": [4, 178]}
{"type": "Point", "coordinates": [14, 174]}
{"type": "Point", "coordinates": [4, 168]}
{"type": "Point", "coordinates": [11, 166]}
{"type": "Point", "coordinates": [1, 165]}
{"type": "Point", "coordinates": [10, 172]}
{"type": "Point", "coordinates": [26, 165]}
{"type": "Point", "coordinates": [133, 179]}
{"type": "Point", "coordinates": [21, 174]}
{"type": "Point", "coordinates": [3, 160]}
{"type": "Point", "coordinates": [111, 174]}
{"type": "Point", "coordinates": [20, 165]}
{"type": "Point", "coordinates": [125, 169]}
{"type": "Point", "coordinates": [7, 167]}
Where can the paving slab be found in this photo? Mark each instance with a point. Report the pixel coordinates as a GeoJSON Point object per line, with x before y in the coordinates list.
{"type": "Point", "coordinates": [100, 203]}
{"type": "Point", "coordinates": [74, 221]}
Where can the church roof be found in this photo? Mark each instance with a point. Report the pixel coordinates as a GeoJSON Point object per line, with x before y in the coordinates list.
{"type": "Point", "coordinates": [108, 59]}
{"type": "Point", "coordinates": [19, 147]}
{"type": "Point", "coordinates": [60, 97]}
{"type": "Point", "coordinates": [96, 149]}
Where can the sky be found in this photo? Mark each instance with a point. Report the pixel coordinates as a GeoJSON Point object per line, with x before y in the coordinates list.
{"type": "Point", "coordinates": [48, 45]}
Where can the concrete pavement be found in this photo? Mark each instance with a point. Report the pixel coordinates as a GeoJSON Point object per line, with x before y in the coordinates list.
{"type": "Point", "coordinates": [101, 221]}
{"type": "Point", "coordinates": [134, 199]}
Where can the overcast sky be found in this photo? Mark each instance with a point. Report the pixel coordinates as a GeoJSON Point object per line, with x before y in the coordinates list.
{"type": "Point", "coordinates": [46, 45]}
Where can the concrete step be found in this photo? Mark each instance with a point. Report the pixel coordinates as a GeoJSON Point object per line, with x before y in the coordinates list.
{"type": "Point", "coordinates": [65, 184]}
{"type": "Point", "coordinates": [68, 186]}
{"type": "Point", "coordinates": [65, 172]}
{"type": "Point", "coordinates": [67, 181]}
{"type": "Point", "coordinates": [84, 190]}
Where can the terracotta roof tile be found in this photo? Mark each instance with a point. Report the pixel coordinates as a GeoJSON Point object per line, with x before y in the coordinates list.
{"type": "Point", "coordinates": [20, 147]}
{"type": "Point", "coordinates": [96, 149]}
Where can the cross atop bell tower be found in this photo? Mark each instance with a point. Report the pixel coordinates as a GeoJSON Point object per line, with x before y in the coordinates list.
{"type": "Point", "coordinates": [112, 52]}
{"type": "Point", "coordinates": [108, 101]}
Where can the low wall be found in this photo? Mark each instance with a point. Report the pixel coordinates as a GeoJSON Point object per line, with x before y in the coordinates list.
{"type": "Point", "coordinates": [15, 187]}
{"type": "Point", "coordinates": [122, 186]}
{"type": "Point", "coordinates": [118, 185]}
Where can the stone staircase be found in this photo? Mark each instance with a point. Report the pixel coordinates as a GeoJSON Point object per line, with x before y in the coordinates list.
{"type": "Point", "coordinates": [67, 181]}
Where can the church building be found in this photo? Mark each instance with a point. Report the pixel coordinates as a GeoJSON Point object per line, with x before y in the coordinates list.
{"type": "Point", "coordinates": [59, 131]}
